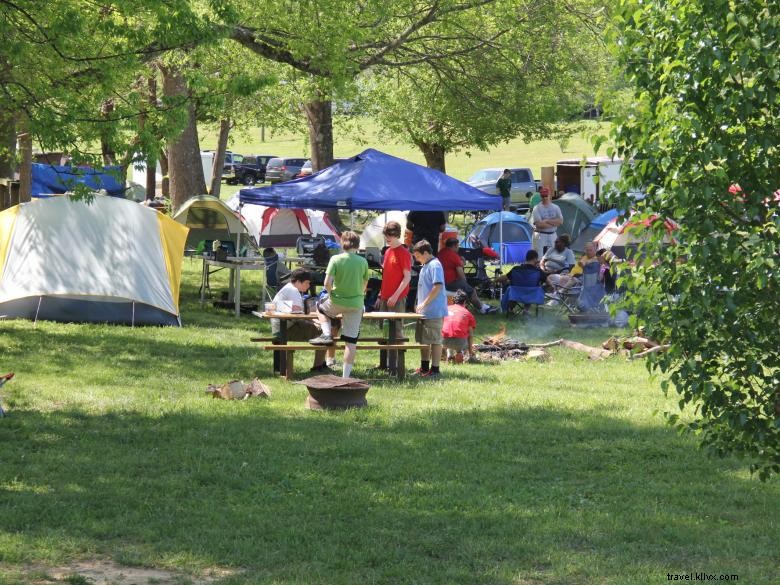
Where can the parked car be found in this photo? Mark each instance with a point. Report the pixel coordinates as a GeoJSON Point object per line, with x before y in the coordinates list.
{"type": "Point", "coordinates": [307, 170]}
{"type": "Point", "coordinates": [283, 169]}
{"type": "Point", "coordinates": [251, 170]}
{"type": "Point", "coordinates": [523, 184]}
{"type": "Point", "coordinates": [231, 159]}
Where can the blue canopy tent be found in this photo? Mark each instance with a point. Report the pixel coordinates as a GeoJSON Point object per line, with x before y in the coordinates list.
{"type": "Point", "coordinates": [55, 179]}
{"type": "Point", "coordinates": [377, 181]}
{"type": "Point", "coordinates": [593, 229]}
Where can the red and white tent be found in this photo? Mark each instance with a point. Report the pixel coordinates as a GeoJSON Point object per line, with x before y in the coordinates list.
{"type": "Point", "coordinates": [281, 228]}
{"type": "Point", "coordinates": [617, 237]}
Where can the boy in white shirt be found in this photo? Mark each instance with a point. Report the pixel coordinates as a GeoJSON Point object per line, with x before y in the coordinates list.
{"type": "Point", "coordinates": [289, 299]}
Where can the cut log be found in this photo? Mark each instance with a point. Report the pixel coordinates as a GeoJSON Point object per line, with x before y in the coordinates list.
{"type": "Point", "coordinates": [654, 349]}
{"type": "Point", "coordinates": [594, 353]}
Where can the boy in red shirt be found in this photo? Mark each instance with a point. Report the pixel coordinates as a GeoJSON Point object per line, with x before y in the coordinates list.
{"type": "Point", "coordinates": [396, 275]}
{"type": "Point", "coordinates": [458, 329]}
{"type": "Point", "coordinates": [396, 271]}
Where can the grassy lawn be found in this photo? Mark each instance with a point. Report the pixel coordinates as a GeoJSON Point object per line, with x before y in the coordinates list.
{"type": "Point", "coordinates": [523, 474]}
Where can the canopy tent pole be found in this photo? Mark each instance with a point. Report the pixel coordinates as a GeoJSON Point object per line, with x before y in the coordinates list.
{"type": "Point", "coordinates": [500, 248]}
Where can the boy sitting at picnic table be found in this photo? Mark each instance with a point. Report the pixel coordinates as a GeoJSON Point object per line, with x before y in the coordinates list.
{"type": "Point", "coordinates": [458, 329]}
{"type": "Point", "coordinates": [289, 299]}
{"type": "Point", "coordinates": [432, 304]}
{"type": "Point", "coordinates": [345, 280]}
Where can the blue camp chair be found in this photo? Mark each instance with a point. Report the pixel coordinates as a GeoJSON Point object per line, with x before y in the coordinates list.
{"type": "Point", "coordinates": [525, 289]}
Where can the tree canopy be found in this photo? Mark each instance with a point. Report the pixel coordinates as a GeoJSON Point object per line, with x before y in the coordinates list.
{"type": "Point", "coordinates": [704, 137]}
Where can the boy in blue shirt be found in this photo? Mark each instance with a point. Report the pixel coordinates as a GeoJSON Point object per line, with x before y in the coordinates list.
{"type": "Point", "coordinates": [432, 304]}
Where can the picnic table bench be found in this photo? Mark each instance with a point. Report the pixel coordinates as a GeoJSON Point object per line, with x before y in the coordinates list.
{"type": "Point", "coordinates": [393, 344]}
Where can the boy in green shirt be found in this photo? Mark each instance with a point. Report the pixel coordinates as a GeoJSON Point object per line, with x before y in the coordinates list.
{"type": "Point", "coordinates": [346, 279]}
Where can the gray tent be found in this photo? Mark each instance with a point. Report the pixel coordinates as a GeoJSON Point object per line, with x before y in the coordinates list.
{"type": "Point", "coordinates": [577, 214]}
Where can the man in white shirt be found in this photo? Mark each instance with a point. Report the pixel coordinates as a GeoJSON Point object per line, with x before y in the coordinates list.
{"type": "Point", "coordinates": [545, 217]}
{"type": "Point", "coordinates": [289, 299]}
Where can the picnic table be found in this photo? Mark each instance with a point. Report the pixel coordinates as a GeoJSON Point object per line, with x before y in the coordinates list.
{"type": "Point", "coordinates": [393, 342]}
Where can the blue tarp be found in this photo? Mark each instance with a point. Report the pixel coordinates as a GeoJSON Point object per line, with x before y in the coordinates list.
{"type": "Point", "coordinates": [52, 179]}
{"type": "Point", "coordinates": [597, 224]}
{"type": "Point", "coordinates": [374, 180]}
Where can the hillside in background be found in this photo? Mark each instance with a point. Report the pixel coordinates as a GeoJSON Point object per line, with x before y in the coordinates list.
{"type": "Point", "coordinates": [513, 154]}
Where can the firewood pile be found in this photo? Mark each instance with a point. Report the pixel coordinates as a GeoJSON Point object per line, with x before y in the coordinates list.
{"type": "Point", "coordinates": [237, 390]}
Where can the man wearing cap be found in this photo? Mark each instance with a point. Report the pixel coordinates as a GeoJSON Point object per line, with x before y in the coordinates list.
{"type": "Point", "coordinates": [545, 217]}
{"type": "Point", "coordinates": [504, 186]}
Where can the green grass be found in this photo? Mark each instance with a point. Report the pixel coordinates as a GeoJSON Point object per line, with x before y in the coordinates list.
{"type": "Point", "coordinates": [527, 473]}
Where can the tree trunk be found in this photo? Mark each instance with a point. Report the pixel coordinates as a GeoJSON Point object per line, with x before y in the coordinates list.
{"type": "Point", "coordinates": [25, 168]}
{"type": "Point", "coordinates": [106, 148]}
{"type": "Point", "coordinates": [219, 156]}
{"type": "Point", "coordinates": [184, 164]}
{"type": "Point", "coordinates": [7, 144]}
{"type": "Point", "coordinates": [319, 117]}
{"type": "Point", "coordinates": [166, 183]}
{"type": "Point", "coordinates": [151, 159]}
{"type": "Point", "coordinates": [434, 155]}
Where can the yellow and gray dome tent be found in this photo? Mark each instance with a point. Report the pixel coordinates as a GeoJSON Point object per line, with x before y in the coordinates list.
{"type": "Point", "coordinates": [106, 261]}
{"type": "Point", "coordinates": [209, 218]}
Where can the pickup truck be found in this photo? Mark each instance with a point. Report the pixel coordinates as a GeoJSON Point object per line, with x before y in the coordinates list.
{"type": "Point", "coordinates": [251, 170]}
{"type": "Point", "coordinates": [523, 185]}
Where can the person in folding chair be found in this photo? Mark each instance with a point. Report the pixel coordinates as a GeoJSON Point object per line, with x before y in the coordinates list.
{"type": "Point", "coordinates": [276, 274]}
{"type": "Point", "coordinates": [523, 285]}
{"type": "Point", "coordinates": [592, 293]}
{"type": "Point", "coordinates": [567, 288]}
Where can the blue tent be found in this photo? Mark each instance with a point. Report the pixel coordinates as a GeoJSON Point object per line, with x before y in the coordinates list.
{"type": "Point", "coordinates": [374, 180]}
{"type": "Point", "coordinates": [597, 224]}
{"type": "Point", "coordinates": [53, 179]}
{"type": "Point", "coordinates": [489, 231]}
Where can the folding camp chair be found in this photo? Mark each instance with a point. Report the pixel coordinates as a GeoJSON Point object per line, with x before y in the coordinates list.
{"type": "Point", "coordinates": [275, 277]}
{"type": "Point", "coordinates": [564, 297]}
{"type": "Point", "coordinates": [592, 294]}
{"type": "Point", "coordinates": [519, 296]}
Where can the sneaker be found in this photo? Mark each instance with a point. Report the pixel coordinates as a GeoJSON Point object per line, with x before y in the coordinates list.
{"type": "Point", "coordinates": [321, 369]}
{"type": "Point", "coordinates": [431, 375]}
{"type": "Point", "coordinates": [487, 310]}
{"type": "Point", "coordinates": [322, 340]}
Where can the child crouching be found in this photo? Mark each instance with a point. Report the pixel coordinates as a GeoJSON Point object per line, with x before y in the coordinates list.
{"type": "Point", "coordinates": [458, 329]}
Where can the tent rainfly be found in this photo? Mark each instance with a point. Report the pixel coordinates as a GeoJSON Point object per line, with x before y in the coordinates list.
{"type": "Point", "coordinates": [210, 218]}
{"type": "Point", "coordinates": [106, 261]}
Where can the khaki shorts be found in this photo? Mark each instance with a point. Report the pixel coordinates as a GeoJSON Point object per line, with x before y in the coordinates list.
{"type": "Point", "coordinates": [428, 331]}
{"type": "Point", "coordinates": [350, 318]}
{"type": "Point", "coordinates": [456, 343]}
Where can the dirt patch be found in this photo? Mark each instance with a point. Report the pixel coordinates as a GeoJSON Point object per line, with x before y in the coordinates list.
{"type": "Point", "coordinates": [107, 572]}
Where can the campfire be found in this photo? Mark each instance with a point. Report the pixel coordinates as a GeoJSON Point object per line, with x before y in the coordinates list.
{"type": "Point", "coordinates": [500, 347]}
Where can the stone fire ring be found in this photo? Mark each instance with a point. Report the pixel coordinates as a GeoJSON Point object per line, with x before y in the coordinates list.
{"type": "Point", "coordinates": [330, 392]}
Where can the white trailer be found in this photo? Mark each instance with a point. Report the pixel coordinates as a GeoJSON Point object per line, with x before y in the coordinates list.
{"type": "Point", "coordinates": [589, 177]}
